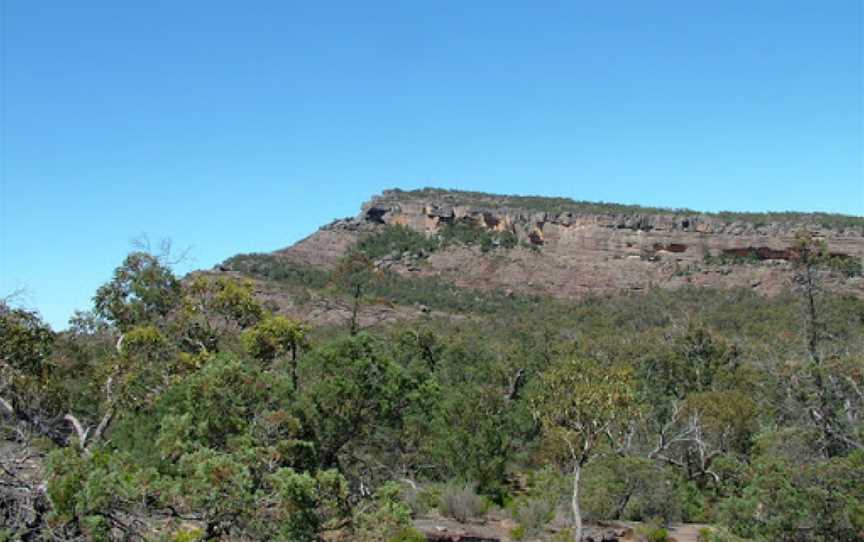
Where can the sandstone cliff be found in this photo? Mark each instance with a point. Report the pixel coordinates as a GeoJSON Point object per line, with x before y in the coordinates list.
{"type": "Point", "coordinates": [571, 249]}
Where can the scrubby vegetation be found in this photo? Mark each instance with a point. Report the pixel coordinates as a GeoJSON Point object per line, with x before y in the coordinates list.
{"type": "Point", "coordinates": [183, 409]}
{"type": "Point", "coordinates": [432, 292]}
{"type": "Point", "coordinates": [398, 242]}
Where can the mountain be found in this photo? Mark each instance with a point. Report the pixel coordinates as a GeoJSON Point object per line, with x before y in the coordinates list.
{"type": "Point", "coordinates": [505, 246]}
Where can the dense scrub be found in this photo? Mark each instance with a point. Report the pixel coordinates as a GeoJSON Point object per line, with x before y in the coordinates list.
{"type": "Point", "coordinates": [432, 292]}
{"type": "Point", "coordinates": [398, 242]}
{"type": "Point", "coordinates": [184, 410]}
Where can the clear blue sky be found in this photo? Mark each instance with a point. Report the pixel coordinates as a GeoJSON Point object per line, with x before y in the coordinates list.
{"type": "Point", "coordinates": [243, 126]}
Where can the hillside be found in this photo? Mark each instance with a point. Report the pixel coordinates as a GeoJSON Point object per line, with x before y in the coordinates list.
{"type": "Point", "coordinates": [440, 241]}
{"type": "Point", "coordinates": [453, 367]}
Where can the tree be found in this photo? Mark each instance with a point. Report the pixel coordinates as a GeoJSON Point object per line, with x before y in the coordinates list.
{"type": "Point", "coordinates": [580, 405]}
{"type": "Point", "coordinates": [353, 273]}
{"type": "Point", "coordinates": [356, 398]}
{"type": "Point", "coordinates": [827, 403]}
{"type": "Point", "coordinates": [213, 309]}
{"type": "Point", "coordinates": [142, 291]}
{"type": "Point", "coordinates": [275, 336]}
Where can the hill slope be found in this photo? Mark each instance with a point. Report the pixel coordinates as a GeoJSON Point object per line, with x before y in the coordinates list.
{"type": "Point", "coordinates": [461, 252]}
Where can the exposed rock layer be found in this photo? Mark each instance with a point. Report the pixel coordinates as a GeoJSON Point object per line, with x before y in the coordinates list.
{"type": "Point", "coordinates": [572, 253]}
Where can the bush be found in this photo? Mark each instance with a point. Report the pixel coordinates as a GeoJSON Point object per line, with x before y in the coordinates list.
{"type": "Point", "coordinates": [420, 499]}
{"type": "Point", "coordinates": [409, 534]}
{"type": "Point", "coordinates": [784, 500]}
{"type": "Point", "coordinates": [652, 532]}
{"type": "Point", "coordinates": [564, 535]}
{"type": "Point", "coordinates": [384, 520]}
{"type": "Point", "coordinates": [631, 488]}
{"type": "Point", "coordinates": [533, 514]}
{"type": "Point", "coordinates": [396, 240]}
{"type": "Point", "coordinates": [461, 503]}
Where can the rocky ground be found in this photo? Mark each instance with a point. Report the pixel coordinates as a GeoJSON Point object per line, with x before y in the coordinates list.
{"type": "Point", "coordinates": [498, 528]}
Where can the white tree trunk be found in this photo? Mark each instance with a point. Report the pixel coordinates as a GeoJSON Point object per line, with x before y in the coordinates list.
{"type": "Point", "coordinates": [574, 503]}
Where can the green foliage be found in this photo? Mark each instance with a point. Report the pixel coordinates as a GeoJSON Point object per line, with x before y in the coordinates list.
{"type": "Point", "coordinates": [651, 531]}
{"type": "Point", "coordinates": [578, 401]}
{"type": "Point", "coordinates": [356, 392]}
{"type": "Point", "coordinates": [730, 258]}
{"type": "Point", "coordinates": [658, 535]}
{"type": "Point", "coordinates": [474, 436]}
{"type": "Point", "coordinates": [631, 488]}
{"type": "Point", "coordinates": [273, 337]}
{"type": "Point", "coordinates": [25, 340]}
{"type": "Point", "coordinates": [386, 519]}
{"type": "Point", "coordinates": [564, 535]}
{"type": "Point", "coordinates": [711, 398]}
{"type": "Point", "coordinates": [187, 534]}
{"type": "Point", "coordinates": [533, 514]}
{"type": "Point", "coordinates": [472, 234]}
{"type": "Point", "coordinates": [303, 505]}
{"type": "Point", "coordinates": [847, 265]}
{"type": "Point", "coordinates": [279, 269]}
{"type": "Point", "coordinates": [461, 503]}
{"type": "Point", "coordinates": [212, 309]}
{"type": "Point", "coordinates": [142, 290]}
{"type": "Point", "coordinates": [397, 241]}
{"type": "Point", "coordinates": [811, 502]}
{"type": "Point", "coordinates": [432, 292]}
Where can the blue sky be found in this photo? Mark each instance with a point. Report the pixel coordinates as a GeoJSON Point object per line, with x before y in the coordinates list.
{"type": "Point", "coordinates": [243, 126]}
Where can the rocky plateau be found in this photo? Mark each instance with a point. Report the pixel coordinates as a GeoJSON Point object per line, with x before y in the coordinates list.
{"type": "Point", "coordinates": [567, 249]}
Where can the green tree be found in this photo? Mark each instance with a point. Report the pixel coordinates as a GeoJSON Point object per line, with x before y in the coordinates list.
{"type": "Point", "coordinates": [143, 290]}
{"type": "Point", "coordinates": [275, 336]}
{"type": "Point", "coordinates": [580, 405]}
{"type": "Point", "coordinates": [353, 273]}
{"type": "Point", "coordinates": [357, 398]}
{"type": "Point", "coordinates": [818, 502]}
{"type": "Point", "coordinates": [214, 309]}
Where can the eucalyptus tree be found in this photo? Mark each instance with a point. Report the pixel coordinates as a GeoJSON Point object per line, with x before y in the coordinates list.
{"type": "Point", "coordinates": [582, 408]}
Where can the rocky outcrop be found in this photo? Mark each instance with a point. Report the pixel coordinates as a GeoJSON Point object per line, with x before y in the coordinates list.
{"type": "Point", "coordinates": [584, 248]}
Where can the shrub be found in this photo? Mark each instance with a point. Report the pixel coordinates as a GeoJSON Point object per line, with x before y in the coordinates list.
{"type": "Point", "coordinates": [564, 535]}
{"type": "Point", "coordinates": [461, 503]}
{"type": "Point", "coordinates": [396, 240]}
{"type": "Point", "coordinates": [652, 532]}
{"type": "Point", "coordinates": [187, 534]}
{"type": "Point", "coordinates": [533, 514]}
{"type": "Point", "coordinates": [420, 499]}
{"type": "Point", "coordinates": [384, 520]}
{"type": "Point", "coordinates": [517, 532]}
{"type": "Point", "coordinates": [409, 534]}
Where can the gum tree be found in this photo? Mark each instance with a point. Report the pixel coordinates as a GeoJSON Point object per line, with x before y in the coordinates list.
{"type": "Point", "coordinates": [582, 407]}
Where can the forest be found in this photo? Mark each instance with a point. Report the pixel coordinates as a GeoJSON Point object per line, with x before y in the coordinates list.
{"type": "Point", "coordinates": [187, 408]}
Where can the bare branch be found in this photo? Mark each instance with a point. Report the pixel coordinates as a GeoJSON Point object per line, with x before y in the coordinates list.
{"type": "Point", "coordinates": [79, 429]}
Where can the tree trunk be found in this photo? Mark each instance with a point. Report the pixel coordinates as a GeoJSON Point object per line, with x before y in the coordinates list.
{"type": "Point", "coordinates": [294, 367]}
{"type": "Point", "coordinates": [812, 321]}
{"type": "Point", "coordinates": [355, 326]}
{"type": "Point", "coordinates": [574, 503]}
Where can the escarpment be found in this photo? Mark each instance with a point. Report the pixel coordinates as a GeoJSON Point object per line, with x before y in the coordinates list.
{"type": "Point", "coordinates": [569, 249]}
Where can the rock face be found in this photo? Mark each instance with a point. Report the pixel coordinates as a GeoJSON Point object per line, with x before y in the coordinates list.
{"type": "Point", "coordinates": [570, 250]}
